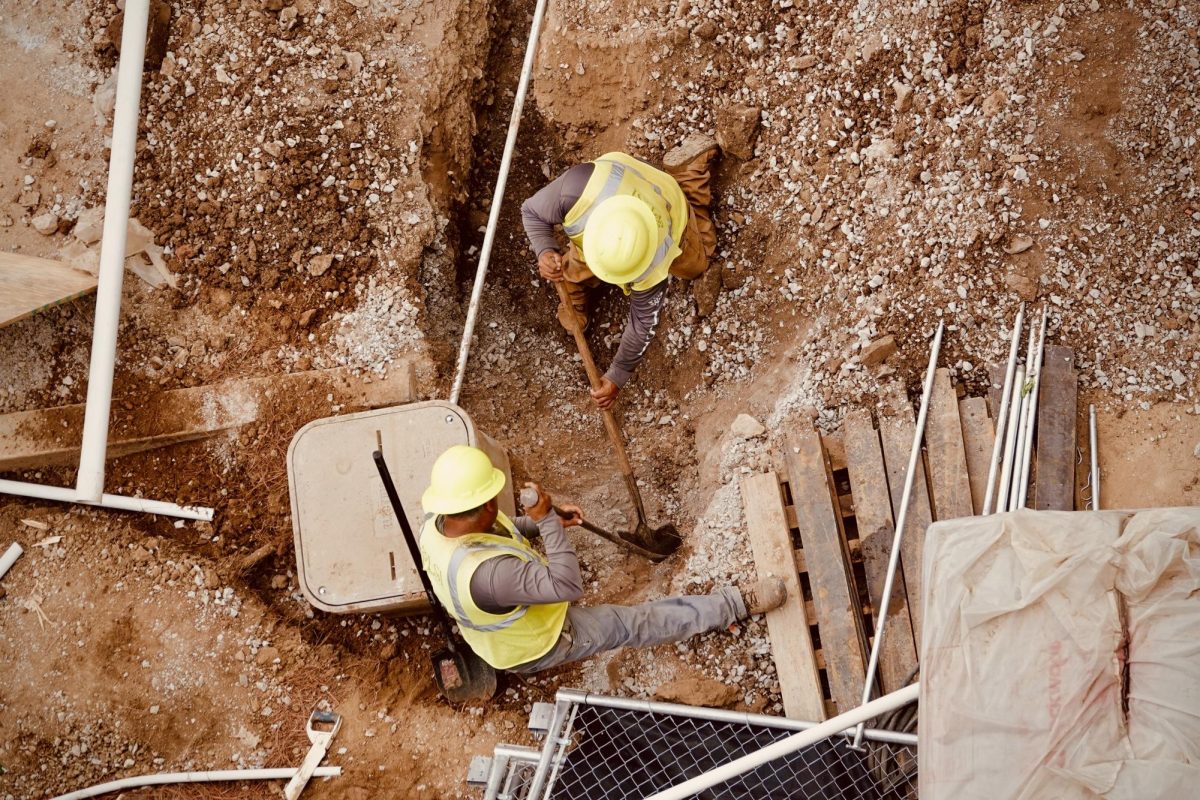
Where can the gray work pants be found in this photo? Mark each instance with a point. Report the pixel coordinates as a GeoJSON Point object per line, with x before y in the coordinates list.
{"type": "Point", "coordinates": [588, 631]}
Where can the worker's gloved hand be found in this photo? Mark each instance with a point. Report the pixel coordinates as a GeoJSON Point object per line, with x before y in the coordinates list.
{"type": "Point", "coordinates": [540, 509]}
{"type": "Point", "coordinates": [550, 266]}
{"type": "Point", "coordinates": [606, 395]}
{"type": "Point", "coordinates": [575, 515]}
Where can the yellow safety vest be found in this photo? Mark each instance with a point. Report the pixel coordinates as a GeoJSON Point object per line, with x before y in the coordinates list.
{"type": "Point", "coordinates": [503, 640]}
{"type": "Point", "coordinates": [618, 173]}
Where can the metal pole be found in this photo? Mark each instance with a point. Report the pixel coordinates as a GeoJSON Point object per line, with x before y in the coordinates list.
{"type": "Point", "coordinates": [901, 519]}
{"type": "Point", "coordinates": [89, 483]}
{"type": "Point", "coordinates": [784, 747]}
{"type": "Point", "coordinates": [1038, 359]}
{"type": "Point", "coordinates": [1019, 450]}
{"type": "Point", "coordinates": [1002, 411]}
{"type": "Point", "coordinates": [1094, 456]}
{"type": "Point", "coordinates": [1010, 443]}
{"type": "Point", "coordinates": [116, 501]}
{"type": "Point", "coordinates": [485, 255]}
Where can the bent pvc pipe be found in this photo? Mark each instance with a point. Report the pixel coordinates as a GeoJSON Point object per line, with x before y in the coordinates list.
{"type": "Point", "coordinates": [281, 774]}
{"type": "Point", "coordinates": [791, 744]}
{"type": "Point", "coordinates": [119, 502]}
{"type": "Point", "coordinates": [89, 483]}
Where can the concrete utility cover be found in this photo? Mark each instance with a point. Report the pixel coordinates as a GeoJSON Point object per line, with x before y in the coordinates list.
{"type": "Point", "coordinates": [350, 551]}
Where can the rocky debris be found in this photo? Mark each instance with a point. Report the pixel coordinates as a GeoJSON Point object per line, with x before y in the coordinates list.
{"type": "Point", "coordinates": [319, 265]}
{"type": "Point", "coordinates": [878, 351]}
{"type": "Point", "coordinates": [45, 224]}
{"type": "Point", "coordinates": [1018, 244]}
{"type": "Point", "coordinates": [1025, 287]}
{"type": "Point", "coordinates": [737, 128]}
{"type": "Point", "coordinates": [266, 656]}
{"type": "Point", "coordinates": [706, 290]}
{"type": "Point", "coordinates": [903, 93]}
{"type": "Point", "coordinates": [706, 30]}
{"type": "Point", "coordinates": [89, 226]}
{"type": "Point", "coordinates": [746, 427]}
{"type": "Point", "coordinates": [698, 691]}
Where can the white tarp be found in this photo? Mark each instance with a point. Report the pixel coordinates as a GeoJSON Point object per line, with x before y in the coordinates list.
{"type": "Point", "coordinates": [1026, 688]}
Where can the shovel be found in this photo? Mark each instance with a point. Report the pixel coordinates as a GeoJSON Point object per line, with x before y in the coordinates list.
{"type": "Point", "coordinates": [461, 676]}
{"type": "Point", "coordinates": [664, 539]}
{"type": "Point", "coordinates": [529, 498]}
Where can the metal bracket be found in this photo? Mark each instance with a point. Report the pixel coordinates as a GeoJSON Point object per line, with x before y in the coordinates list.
{"type": "Point", "coordinates": [541, 718]}
{"type": "Point", "coordinates": [478, 771]}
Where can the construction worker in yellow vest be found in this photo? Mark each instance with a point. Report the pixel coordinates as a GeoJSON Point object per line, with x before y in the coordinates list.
{"type": "Point", "coordinates": [514, 605]}
{"type": "Point", "coordinates": [628, 224]}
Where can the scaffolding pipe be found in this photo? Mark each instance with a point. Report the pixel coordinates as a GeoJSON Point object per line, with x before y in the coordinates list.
{"type": "Point", "coordinates": [1038, 359]}
{"type": "Point", "coordinates": [1019, 451]}
{"type": "Point", "coordinates": [214, 776]}
{"type": "Point", "coordinates": [901, 520]}
{"type": "Point", "coordinates": [89, 483]}
{"type": "Point", "coordinates": [1002, 412]}
{"type": "Point", "coordinates": [1094, 456]}
{"type": "Point", "coordinates": [485, 254]}
{"type": "Point", "coordinates": [114, 501]}
{"type": "Point", "coordinates": [784, 747]}
{"type": "Point", "coordinates": [1010, 440]}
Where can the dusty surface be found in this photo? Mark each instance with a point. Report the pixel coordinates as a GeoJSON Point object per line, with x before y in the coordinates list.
{"type": "Point", "coordinates": [318, 173]}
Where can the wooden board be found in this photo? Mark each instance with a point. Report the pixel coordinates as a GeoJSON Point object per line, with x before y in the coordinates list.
{"type": "Point", "coordinates": [791, 642]}
{"type": "Point", "coordinates": [51, 436]}
{"type": "Point", "coordinates": [876, 527]}
{"type": "Point", "coordinates": [896, 428]}
{"type": "Point", "coordinates": [995, 386]}
{"type": "Point", "coordinates": [1056, 436]}
{"type": "Point", "coordinates": [948, 483]}
{"type": "Point", "coordinates": [29, 284]}
{"type": "Point", "coordinates": [979, 435]}
{"type": "Point", "coordinates": [828, 561]}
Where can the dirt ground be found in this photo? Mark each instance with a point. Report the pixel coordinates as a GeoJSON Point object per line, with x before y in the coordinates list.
{"type": "Point", "coordinates": [319, 172]}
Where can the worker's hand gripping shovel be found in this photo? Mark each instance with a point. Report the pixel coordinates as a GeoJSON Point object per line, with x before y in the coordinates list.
{"type": "Point", "coordinates": [664, 539]}
{"type": "Point", "coordinates": [461, 676]}
{"type": "Point", "coordinates": [530, 497]}
{"type": "Point", "coordinates": [322, 727]}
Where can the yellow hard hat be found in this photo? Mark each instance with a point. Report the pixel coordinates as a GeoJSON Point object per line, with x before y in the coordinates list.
{"type": "Point", "coordinates": [462, 478]}
{"type": "Point", "coordinates": [619, 239]}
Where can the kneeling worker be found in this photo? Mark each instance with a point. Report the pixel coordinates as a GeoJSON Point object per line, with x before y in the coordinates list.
{"type": "Point", "coordinates": [514, 606]}
{"type": "Point", "coordinates": [629, 224]}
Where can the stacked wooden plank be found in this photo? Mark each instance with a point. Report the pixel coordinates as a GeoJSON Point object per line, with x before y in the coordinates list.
{"type": "Point", "coordinates": [827, 526]}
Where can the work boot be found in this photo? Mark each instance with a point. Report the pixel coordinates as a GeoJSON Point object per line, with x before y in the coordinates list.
{"type": "Point", "coordinates": [694, 146]}
{"type": "Point", "coordinates": [765, 594]}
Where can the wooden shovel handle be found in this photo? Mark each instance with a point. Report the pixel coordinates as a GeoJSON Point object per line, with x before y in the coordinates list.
{"type": "Point", "coordinates": [610, 422]}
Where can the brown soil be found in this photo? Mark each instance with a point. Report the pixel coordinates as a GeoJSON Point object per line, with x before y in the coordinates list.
{"type": "Point", "coordinates": [279, 134]}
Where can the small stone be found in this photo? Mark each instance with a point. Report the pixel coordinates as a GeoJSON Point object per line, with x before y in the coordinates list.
{"type": "Point", "coordinates": [319, 265]}
{"type": "Point", "coordinates": [1018, 244]}
{"type": "Point", "coordinates": [266, 655]}
{"type": "Point", "coordinates": [746, 427]}
{"type": "Point", "coordinates": [30, 199]}
{"type": "Point", "coordinates": [1178, 377]}
{"type": "Point", "coordinates": [882, 150]}
{"type": "Point", "coordinates": [46, 224]}
{"type": "Point", "coordinates": [279, 581]}
{"type": "Point", "coordinates": [994, 103]}
{"type": "Point", "coordinates": [307, 318]}
{"type": "Point", "coordinates": [878, 351]}
{"type": "Point", "coordinates": [806, 61]}
{"type": "Point", "coordinates": [153, 709]}
{"type": "Point", "coordinates": [90, 225]}
{"type": "Point", "coordinates": [903, 96]}
{"type": "Point", "coordinates": [706, 30]}
{"type": "Point", "coordinates": [737, 127]}
{"type": "Point", "coordinates": [1025, 287]}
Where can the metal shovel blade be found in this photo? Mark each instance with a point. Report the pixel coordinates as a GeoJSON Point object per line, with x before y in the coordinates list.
{"type": "Point", "coordinates": [662, 541]}
{"type": "Point", "coordinates": [462, 676]}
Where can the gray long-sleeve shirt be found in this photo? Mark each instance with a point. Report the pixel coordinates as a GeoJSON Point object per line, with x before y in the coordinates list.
{"type": "Point", "coordinates": [549, 207]}
{"type": "Point", "coordinates": [504, 582]}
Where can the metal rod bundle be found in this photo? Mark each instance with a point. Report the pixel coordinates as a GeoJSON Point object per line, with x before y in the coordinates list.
{"type": "Point", "coordinates": [1018, 455]}
{"type": "Point", "coordinates": [1001, 413]}
{"type": "Point", "coordinates": [1031, 420]}
{"type": "Point", "coordinates": [1010, 440]}
{"type": "Point", "coordinates": [901, 521]}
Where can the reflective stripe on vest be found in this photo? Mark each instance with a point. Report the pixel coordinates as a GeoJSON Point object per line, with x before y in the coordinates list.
{"type": "Point", "coordinates": [460, 614]}
{"type": "Point", "coordinates": [623, 174]}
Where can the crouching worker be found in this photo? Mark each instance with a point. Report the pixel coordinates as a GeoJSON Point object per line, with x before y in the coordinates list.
{"type": "Point", "coordinates": [515, 606]}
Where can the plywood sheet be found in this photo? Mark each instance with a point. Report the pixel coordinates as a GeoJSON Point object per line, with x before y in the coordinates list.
{"type": "Point", "coordinates": [29, 284]}
{"type": "Point", "coordinates": [979, 436]}
{"type": "Point", "coordinates": [948, 483]}
{"type": "Point", "coordinates": [1056, 434]}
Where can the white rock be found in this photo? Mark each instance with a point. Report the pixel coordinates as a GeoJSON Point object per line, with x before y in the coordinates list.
{"type": "Point", "coordinates": [746, 427]}
{"type": "Point", "coordinates": [46, 224]}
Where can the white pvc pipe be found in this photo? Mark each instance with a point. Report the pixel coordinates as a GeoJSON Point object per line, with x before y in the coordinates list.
{"type": "Point", "coordinates": [901, 521]}
{"type": "Point", "coordinates": [116, 501]}
{"type": "Point", "coordinates": [1014, 489]}
{"type": "Point", "coordinates": [281, 774]}
{"type": "Point", "coordinates": [90, 481]}
{"type": "Point", "coordinates": [1027, 450]}
{"type": "Point", "coordinates": [9, 558]}
{"type": "Point", "coordinates": [485, 255]}
{"type": "Point", "coordinates": [1002, 412]}
{"type": "Point", "coordinates": [1010, 443]}
{"type": "Point", "coordinates": [1094, 456]}
{"type": "Point", "coordinates": [784, 747]}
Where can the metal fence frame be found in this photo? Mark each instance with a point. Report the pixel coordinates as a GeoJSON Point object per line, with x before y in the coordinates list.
{"type": "Point", "coordinates": [528, 773]}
